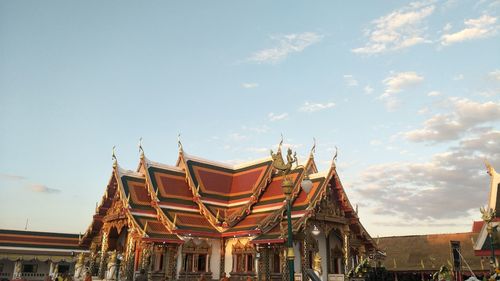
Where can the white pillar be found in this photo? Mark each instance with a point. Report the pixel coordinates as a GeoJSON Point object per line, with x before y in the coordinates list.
{"type": "Point", "coordinates": [297, 262]}
{"type": "Point", "coordinates": [17, 269]}
{"type": "Point", "coordinates": [322, 253]}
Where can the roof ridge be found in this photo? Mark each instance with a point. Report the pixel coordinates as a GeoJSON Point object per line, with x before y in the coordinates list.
{"type": "Point", "coordinates": [226, 165]}
{"type": "Point", "coordinates": [420, 235]}
{"type": "Point", "coordinates": [162, 165]}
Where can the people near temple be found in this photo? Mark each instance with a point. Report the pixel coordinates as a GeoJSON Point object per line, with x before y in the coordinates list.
{"type": "Point", "coordinates": [142, 276]}
{"type": "Point", "coordinates": [224, 277]}
{"type": "Point", "coordinates": [88, 276]}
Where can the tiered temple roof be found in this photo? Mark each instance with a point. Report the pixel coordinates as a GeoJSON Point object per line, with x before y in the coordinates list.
{"type": "Point", "coordinates": [203, 198]}
{"type": "Point", "coordinates": [28, 245]}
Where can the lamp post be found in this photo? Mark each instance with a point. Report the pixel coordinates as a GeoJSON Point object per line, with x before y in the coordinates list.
{"type": "Point", "coordinates": [488, 215]}
{"type": "Point", "coordinates": [287, 186]}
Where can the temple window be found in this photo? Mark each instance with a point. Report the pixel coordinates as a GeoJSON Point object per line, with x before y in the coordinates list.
{"type": "Point", "coordinates": [276, 263]}
{"type": "Point", "coordinates": [29, 268]}
{"type": "Point", "coordinates": [243, 257]}
{"type": "Point", "coordinates": [196, 257]}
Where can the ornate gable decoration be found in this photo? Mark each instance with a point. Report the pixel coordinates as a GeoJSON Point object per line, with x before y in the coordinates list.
{"type": "Point", "coordinates": [191, 247]}
{"type": "Point", "coordinates": [239, 248]}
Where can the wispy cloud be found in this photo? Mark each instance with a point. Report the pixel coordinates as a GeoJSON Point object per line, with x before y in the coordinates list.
{"type": "Point", "coordinates": [494, 75]}
{"type": "Point", "coordinates": [40, 188]}
{"type": "Point", "coordinates": [465, 115]}
{"type": "Point", "coordinates": [249, 85]}
{"type": "Point", "coordinates": [368, 89]}
{"type": "Point", "coordinates": [350, 81]}
{"type": "Point", "coordinates": [313, 107]}
{"type": "Point", "coordinates": [237, 137]}
{"type": "Point", "coordinates": [256, 129]}
{"type": "Point", "coordinates": [396, 83]}
{"type": "Point", "coordinates": [433, 94]}
{"type": "Point", "coordinates": [276, 117]}
{"type": "Point", "coordinates": [481, 27]}
{"type": "Point", "coordinates": [399, 29]}
{"type": "Point", "coordinates": [458, 77]}
{"type": "Point", "coordinates": [11, 177]}
{"type": "Point", "coordinates": [286, 45]}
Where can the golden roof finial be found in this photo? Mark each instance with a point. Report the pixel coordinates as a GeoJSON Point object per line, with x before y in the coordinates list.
{"type": "Point", "coordinates": [113, 157]}
{"type": "Point", "coordinates": [156, 192]}
{"type": "Point", "coordinates": [141, 150]}
{"type": "Point", "coordinates": [179, 143]}
{"type": "Point", "coordinates": [217, 216]}
{"type": "Point", "coordinates": [175, 219]}
{"type": "Point", "coordinates": [281, 143]}
{"type": "Point", "coordinates": [198, 189]}
{"type": "Point", "coordinates": [145, 227]}
{"type": "Point", "coordinates": [489, 169]}
{"type": "Point", "coordinates": [313, 149]}
{"type": "Point", "coordinates": [335, 156]}
{"type": "Point", "coordinates": [128, 197]}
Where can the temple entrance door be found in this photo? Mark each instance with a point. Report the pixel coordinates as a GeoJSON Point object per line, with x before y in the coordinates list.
{"type": "Point", "coordinates": [335, 263]}
{"type": "Point", "coordinates": [117, 240]}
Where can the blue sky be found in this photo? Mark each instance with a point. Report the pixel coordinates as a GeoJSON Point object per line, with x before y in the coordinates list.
{"type": "Point", "coordinates": [408, 92]}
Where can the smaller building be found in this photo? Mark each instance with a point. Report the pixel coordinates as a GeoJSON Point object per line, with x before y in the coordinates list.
{"type": "Point", "coordinates": [418, 257]}
{"type": "Point", "coordinates": [32, 255]}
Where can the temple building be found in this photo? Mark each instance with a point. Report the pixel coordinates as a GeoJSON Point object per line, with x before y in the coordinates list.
{"type": "Point", "coordinates": [33, 255]}
{"type": "Point", "coordinates": [204, 218]}
{"type": "Point", "coordinates": [488, 227]}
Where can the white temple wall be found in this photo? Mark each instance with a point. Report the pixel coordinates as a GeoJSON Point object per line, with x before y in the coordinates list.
{"type": "Point", "coordinates": [322, 252]}
{"type": "Point", "coordinates": [215, 258]}
{"type": "Point", "coordinates": [297, 263]}
{"type": "Point", "coordinates": [179, 261]}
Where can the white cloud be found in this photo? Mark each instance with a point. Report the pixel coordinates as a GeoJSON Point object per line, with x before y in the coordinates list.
{"type": "Point", "coordinates": [399, 29]}
{"type": "Point", "coordinates": [257, 129]}
{"type": "Point", "coordinates": [249, 85]}
{"type": "Point", "coordinates": [465, 116]}
{"type": "Point", "coordinates": [40, 188]}
{"type": "Point", "coordinates": [433, 94]}
{"type": "Point", "coordinates": [458, 77]}
{"type": "Point", "coordinates": [443, 187]}
{"type": "Point", "coordinates": [287, 44]}
{"type": "Point", "coordinates": [447, 27]}
{"type": "Point", "coordinates": [481, 27]}
{"type": "Point", "coordinates": [375, 142]}
{"type": "Point", "coordinates": [276, 117]}
{"type": "Point", "coordinates": [350, 81]}
{"type": "Point", "coordinates": [368, 90]}
{"type": "Point", "coordinates": [237, 137]}
{"type": "Point", "coordinates": [495, 75]}
{"type": "Point", "coordinates": [313, 107]}
{"type": "Point", "coordinates": [397, 83]}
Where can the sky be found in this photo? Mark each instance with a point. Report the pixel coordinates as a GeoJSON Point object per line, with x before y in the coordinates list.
{"type": "Point", "coordinates": [409, 93]}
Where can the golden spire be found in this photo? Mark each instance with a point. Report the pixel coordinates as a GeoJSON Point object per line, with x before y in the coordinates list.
{"type": "Point", "coordinates": [313, 149]}
{"type": "Point", "coordinates": [335, 156]}
{"type": "Point", "coordinates": [141, 150]}
{"type": "Point", "coordinates": [281, 143]}
{"type": "Point", "coordinates": [179, 143]}
{"type": "Point", "coordinates": [113, 157]}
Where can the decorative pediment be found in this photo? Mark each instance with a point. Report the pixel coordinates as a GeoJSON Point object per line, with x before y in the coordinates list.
{"type": "Point", "coordinates": [240, 248]}
{"type": "Point", "coordinates": [191, 247]}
